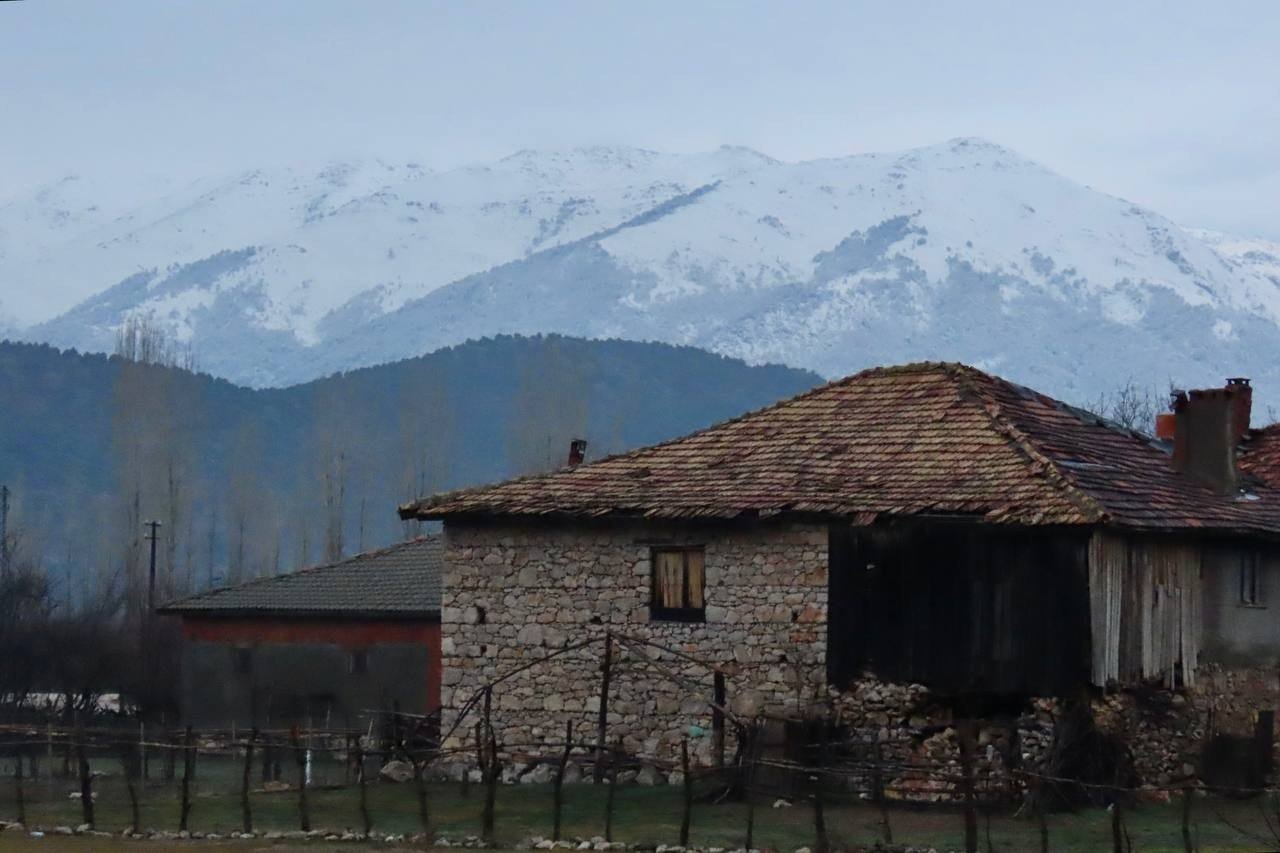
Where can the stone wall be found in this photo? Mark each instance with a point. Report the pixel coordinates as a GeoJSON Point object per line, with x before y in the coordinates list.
{"type": "Point", "coordinates": [514, 593]}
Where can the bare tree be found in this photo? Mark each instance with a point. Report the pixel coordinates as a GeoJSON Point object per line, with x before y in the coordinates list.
{"type": "Point", "coordinates": [142, 339]}
{"type": "Point", "coordinates": [1130, 405]}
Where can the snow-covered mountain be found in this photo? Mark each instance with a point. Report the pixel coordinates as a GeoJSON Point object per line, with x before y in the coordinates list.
{"type": "Point", "coordinates": [963, 250]}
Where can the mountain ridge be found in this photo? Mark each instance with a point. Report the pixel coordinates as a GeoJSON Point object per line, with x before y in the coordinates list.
{"type": "Point", "coordinates": [964, 250]}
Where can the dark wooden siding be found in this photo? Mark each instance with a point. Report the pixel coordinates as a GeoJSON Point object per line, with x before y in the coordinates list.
{"type": "Point", "coordinates": [961, 608]}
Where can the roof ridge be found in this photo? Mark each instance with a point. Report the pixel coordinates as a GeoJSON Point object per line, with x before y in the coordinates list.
{"type": "Point", "coordinates": [1022, 442]}
{"type": "Point", "coordinates": [407, 510]}
{"type": "Point", "coordinates": [305, 570]}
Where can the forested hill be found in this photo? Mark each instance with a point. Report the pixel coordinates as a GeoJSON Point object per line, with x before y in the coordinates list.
{"type": "Point", "coordinates": [254, 481]}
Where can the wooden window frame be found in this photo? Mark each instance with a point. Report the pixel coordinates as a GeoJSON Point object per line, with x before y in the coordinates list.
{"type": "Point", "coordinates": [1251, 581]}
{"type": "Point", "coordinates": [686, 613]}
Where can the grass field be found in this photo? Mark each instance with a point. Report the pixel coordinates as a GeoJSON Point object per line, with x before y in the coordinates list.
{"type": "Point", "coordinates": [643, 814]}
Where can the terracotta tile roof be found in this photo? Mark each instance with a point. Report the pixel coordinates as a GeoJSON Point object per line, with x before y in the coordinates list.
{"type": "Point", "coordinates": [1260, 455]}
{"type": "Point", "coordinates": [916, 439]}
{"type": "Point", "coordinates": [401, 581]}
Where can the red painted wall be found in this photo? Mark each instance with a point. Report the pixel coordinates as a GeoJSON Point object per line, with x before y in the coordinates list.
{"type": "Point", "coordinates": [354, 635]}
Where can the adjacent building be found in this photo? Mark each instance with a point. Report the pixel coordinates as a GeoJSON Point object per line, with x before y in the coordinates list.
{"type": "Point", "coordinates": [928, 525]}
{"type": "Point", "coordinates": [323, 646]}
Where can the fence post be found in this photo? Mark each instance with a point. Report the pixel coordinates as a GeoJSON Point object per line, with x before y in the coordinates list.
{"type": "Point", "coordinates": [1187, 844]}
{"type": "Point", "coordinates": [1117, 826]}
{"type": "Point", "coordinates": [1042, 821]}
{"type": "Point", "coordinates": [752, 755]}
{"type": "Point", "coordinates": [49, 741]}
{"type": "Point", "coordinates": [86, 780]}
{"type": "Point", "coordinates": [420, 788]}
{"type": "Point", "coordinates": [490, 790]}
{"type": "Point", "coordinates": [246, 811]}
{"type": "Point", "coordinates": [171, 757]}
{"type": "Point", "coordinates": [364, 798]}
{"type": "Point", "coordinates": [602, 721]}
{"type": "Point", "coordinates": [20, 800]}
{"type": "Point", "coordinates": [877, 791]}
{"type": "Point", "coordinates": [615, 758]}
{"type": "Point", "coordinates": [717, 719]}
{"type": "Point", "coordinates": [558, 790]}
{"type": "Point", "coordinates": [964, 736]}
{"type": "Point", "coordinates": [819, 816]}
{"type": "Point", "coordinates": [128, 764]}
{"type": "Point", "coordinates": [688, 792]}
{"type": "Point", "coordinates": [295, 742]}
{"type": "Point", "coordinates": [188, 771]}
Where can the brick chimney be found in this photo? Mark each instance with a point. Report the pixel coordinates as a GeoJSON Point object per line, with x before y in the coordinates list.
{"type": "Point", "coordinates": [577, 452]}
{"type": "Point", "coordinates": [1208, 425]}
{"type": "Point", "coordinates": [1242, 405]}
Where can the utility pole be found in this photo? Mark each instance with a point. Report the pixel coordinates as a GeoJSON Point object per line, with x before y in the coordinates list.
{"type": "Point", "coordinates": [4, 531]}
{"type": "Point", "coordinates": [151, 578]}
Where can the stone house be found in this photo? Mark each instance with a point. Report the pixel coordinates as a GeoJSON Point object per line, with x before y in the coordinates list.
{"type": "Point", "coordinates": [918, 535]}
{"type": "Point", "coordinates": [320, 645]}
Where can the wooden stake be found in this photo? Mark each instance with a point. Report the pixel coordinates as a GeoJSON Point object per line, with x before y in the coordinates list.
{"type": "Point", "coordinates": [964, 735]}
{"type": "Point", "coordinates": [19, 796]}
{"type": "Point", "coordinates": [490, 790]}
{"type": "Point", "coordinates": [558, 790]}
{"type": "Point", "coordinates": [602, 722]}
{"type": "Point", "coordinates": [86, 782]}
{"type": "Point", "coordinates": [188, 770]}
{"type": "Point", "coordinates": [877, 792]}
{"type": "Point", "coordinates": [821, 845]}
{"type": "Point", "coordinates": [688, 792]}
{"type": "Point", "coordinates": [752, 756]}
{"type": "Point", "coordinates": [365, 819]}
{"type": "Point", "coordinates": [420, 791]}
{"type": "Point", "coordinates": [615, 758]}
{"type": "Point", "coordinates": [127, 765]}
{"type": "Point", "coordinates": [246, 811]}
{"type": "Point", "coordinates": [717, 719]}
{"type": "Point", "coordinates": [1041, 820]}
{"type": "Point", "coordinates": [1117, 827]}
{"type": "Point", "coordinates": [171, 759]}
{"type": "Point", "coordinates": [299, 755]}
{"type": "Point", "coordinates": [1187, 845]}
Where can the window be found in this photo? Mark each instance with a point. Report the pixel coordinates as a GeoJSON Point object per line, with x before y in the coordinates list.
{"type": "Point", "coordinates": [359, 662]}
{"type": "Point", "coordinates": [677, 584]}
{"type": "Point", "coordinates": [242, 660]}
{"type": "Point", "coordinates": [1250, 581]}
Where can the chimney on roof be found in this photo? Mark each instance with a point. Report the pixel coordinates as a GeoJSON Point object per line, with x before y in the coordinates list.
{"type": "Point", "coordinates": [1207, 425]}
{"type": "Point", "coordinates": [1242, 405]}
{"type": "Point", "coordinates": [577, 452]}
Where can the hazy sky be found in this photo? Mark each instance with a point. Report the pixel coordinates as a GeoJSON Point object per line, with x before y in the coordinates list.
{"type": "Point", "coordinates": [1175, 105]}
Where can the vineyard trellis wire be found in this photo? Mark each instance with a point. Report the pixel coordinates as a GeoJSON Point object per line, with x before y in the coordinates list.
{"type": "Point", "coordinates": [835, 766]}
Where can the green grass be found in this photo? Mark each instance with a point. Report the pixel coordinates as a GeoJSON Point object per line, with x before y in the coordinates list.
{"type": "Point", "coordinates": [642, 815]}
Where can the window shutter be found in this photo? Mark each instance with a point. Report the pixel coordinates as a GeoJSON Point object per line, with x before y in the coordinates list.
{"type": "Point", "coordinates": [669, 575]}
{"type": "Point", "coordinates": [694, 561]}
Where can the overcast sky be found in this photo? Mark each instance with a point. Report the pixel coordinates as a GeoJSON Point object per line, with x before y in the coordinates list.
{"type": "Point", "coordinates": [1175, 105]}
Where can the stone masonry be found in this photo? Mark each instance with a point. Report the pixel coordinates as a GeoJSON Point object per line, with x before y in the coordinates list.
{"type": "Point", "coordinates": [516, 592]}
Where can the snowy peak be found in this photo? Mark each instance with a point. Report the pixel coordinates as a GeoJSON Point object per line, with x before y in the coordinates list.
{"type": "Point", "coordinates": [961, 250]}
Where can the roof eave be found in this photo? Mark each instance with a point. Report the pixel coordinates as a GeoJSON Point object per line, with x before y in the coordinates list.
{"type": "Point", "coordinates": [280, 613]}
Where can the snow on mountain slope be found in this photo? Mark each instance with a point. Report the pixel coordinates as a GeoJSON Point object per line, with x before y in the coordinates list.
{"type": "Point", "coordinates": [963, 250]}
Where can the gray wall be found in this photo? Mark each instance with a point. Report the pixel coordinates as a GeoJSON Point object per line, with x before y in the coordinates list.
{"type": "Point", "coordinates": [1237, 634]}
{"type": "Point", "coordinates": [290, 682]}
